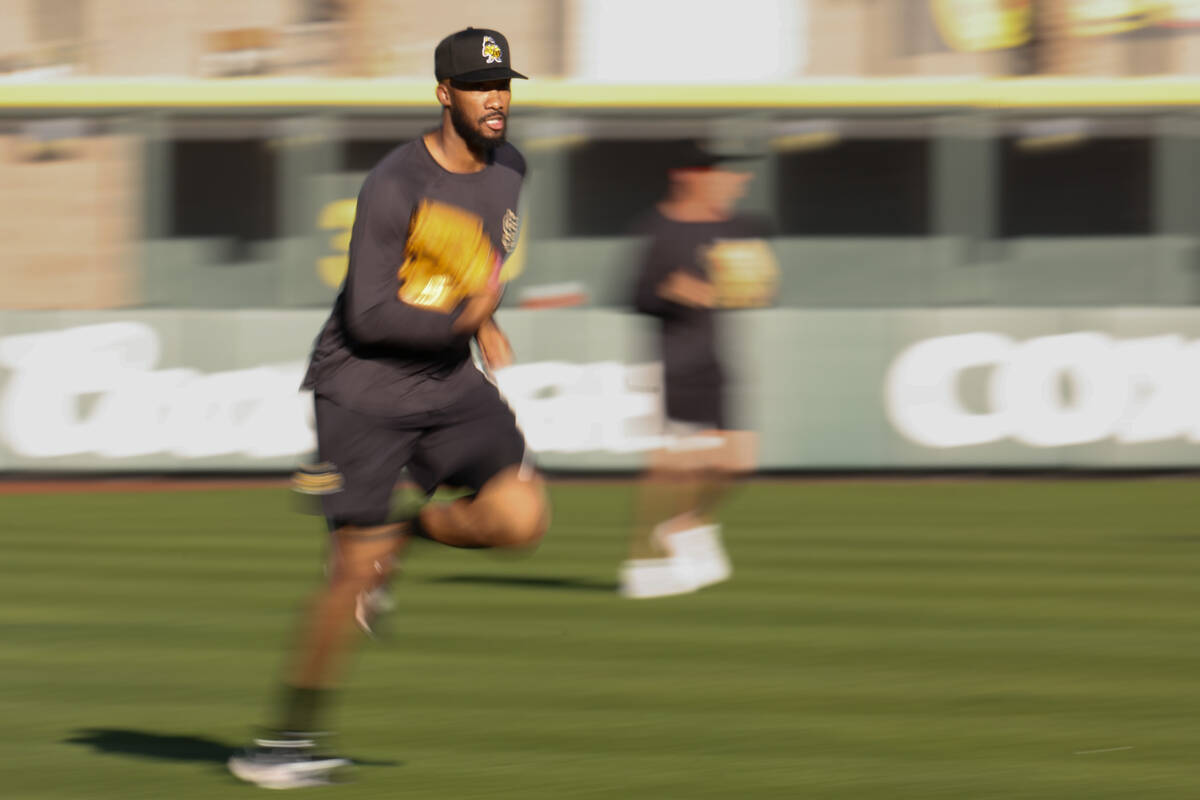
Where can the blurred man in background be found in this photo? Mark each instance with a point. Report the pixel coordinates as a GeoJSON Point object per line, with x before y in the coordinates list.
{"type": "Point", "coordinates": [395, 385]}
{"type": "Point", "coordinates": [701, 256]}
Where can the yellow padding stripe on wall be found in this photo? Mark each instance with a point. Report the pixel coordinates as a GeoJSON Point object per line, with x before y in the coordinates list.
{"type": "Point", "coordinates": [352, 93]}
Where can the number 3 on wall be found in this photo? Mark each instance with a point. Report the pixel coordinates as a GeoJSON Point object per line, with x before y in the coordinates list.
{"type": "Point", "coordinates": [338, 216]}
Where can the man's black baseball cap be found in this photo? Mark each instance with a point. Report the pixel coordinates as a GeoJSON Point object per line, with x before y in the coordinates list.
{"type": "Point", "coordinates": [473, 55]}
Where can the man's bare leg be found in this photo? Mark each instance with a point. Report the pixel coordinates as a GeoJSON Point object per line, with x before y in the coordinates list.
{"type": "Point", "coordinates": [362, 560]}
{"type": "Point", "coordinates": [510, 511]}
{"type": "Point", "coordinates": [286, 756]}
{"type": "Point", "coordinates": [716, 472]}
{"type": "Point", "coordinates": [680, 491]}
{"type": "Point", "coordinates": [663, 494]}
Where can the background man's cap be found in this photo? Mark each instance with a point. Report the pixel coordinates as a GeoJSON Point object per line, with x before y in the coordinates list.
{"type": "Point", "coordinates": [474, 55]}
{"type": "Point", "coordinates": [707, 154]}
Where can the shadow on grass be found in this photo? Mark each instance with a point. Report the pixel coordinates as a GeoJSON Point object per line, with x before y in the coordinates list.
{"type": "Point", "coordinates": [168, 747]}
{"type": "Point", "coordinates": [527, 582]}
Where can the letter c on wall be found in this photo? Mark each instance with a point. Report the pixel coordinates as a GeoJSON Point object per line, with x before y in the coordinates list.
{"type": "Point", "coordinates": [921, 391]}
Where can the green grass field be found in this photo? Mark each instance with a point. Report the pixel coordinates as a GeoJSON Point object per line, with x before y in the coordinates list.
{"type": "Point", "coordinates": [879, 640]}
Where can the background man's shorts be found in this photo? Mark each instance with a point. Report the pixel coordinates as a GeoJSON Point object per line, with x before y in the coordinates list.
{"type": "Point", "coordinates": [702, 404]}
{"type": "Point", "coordinates": [462, 445]}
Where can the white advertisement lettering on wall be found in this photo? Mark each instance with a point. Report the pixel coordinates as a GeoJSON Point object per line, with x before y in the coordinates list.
{"type": "Point", "coordinates": [98, 390]}
{"type": "Point", "coordinates": [1050, 391]}
{"type": "Point", "coordinates": [580, 408]}
{"type": "Point", "coordinates": [219, 390]}
{"type": "Point", "coordinates": [134, 409]}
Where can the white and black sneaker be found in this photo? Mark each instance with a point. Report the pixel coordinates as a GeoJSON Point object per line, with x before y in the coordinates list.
{"type": "Point", "coordinates": [284, 764]}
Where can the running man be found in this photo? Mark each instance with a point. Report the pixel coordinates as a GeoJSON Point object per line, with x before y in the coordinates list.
{"type": "Point", "coordinates": [396, 388]}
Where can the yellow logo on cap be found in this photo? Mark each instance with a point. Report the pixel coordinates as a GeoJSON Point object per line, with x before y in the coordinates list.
{"type": "Point", "coordinates": [491, 51]}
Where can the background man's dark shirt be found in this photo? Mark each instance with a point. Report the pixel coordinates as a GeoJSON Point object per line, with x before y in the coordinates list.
{"type": "Point", "coordinates": [376, 354]}
{"type": "Point", "coordinates": [688, 336]}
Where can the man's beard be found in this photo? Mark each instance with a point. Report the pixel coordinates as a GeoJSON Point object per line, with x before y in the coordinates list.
{"type": "Point", "coordinates": [471, 134]}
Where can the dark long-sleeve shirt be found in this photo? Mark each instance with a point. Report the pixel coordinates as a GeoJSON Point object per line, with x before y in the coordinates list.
{"type": "Point", "coordinates": [376, 353]}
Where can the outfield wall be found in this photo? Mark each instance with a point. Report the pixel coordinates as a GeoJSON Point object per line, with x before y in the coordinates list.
{"type": "Point", "coordinates": [828, 389]}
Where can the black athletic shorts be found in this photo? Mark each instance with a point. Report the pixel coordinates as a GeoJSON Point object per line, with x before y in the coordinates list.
{"type": "Point", "coordinates": [462, 445]}
{"type": "Point", "coordinates": [694, 402]}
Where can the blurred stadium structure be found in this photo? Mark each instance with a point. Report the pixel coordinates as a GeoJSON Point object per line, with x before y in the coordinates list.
{"type": "Point", "coordinates": [987, 212]}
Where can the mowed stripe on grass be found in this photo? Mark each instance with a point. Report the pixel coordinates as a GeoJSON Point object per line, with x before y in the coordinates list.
{"type": "Point", "coordinates": [893, 640]}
